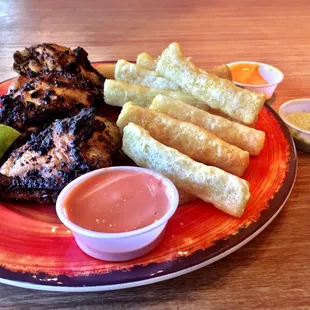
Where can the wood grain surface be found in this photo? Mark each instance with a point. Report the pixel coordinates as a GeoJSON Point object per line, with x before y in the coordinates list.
{"type": "Point", "coordinates": [272, 271]}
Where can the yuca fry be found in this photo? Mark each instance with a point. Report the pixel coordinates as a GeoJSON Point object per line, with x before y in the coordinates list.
{"type": "Point", "coordinates": [134, 74]}
{"type": "Point", "coordinates": [224, 190]}
{"type": "Point", "coordinates": [146, 61]}
{"type": "Point", "coordinates": [196, 142]}
{"type": "Point", "coordinates": [107, 70]}
{"type": "Point", "coordinates": [238, 103]}
{"type": "Point", "coordinates": [117, 93]}
{"type": "Point", "coordinates": [247, 139]}
{"type": "Point", "coordinates": [222, 71]}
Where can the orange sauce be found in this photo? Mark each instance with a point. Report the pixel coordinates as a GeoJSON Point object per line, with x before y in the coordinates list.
{"type": "Point", "coordinates": [117, 201]}
{"type": "Point", "coordinates": [247, 74]}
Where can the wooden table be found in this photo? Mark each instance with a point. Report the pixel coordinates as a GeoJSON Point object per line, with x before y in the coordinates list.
{"type": "Point", "coordinates": [272, 271]}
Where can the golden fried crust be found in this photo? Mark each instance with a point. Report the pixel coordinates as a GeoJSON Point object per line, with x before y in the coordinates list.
{"type": "Point", "coordinates": [222, 71]}
{"type": "Point", "coordinates": [224, 190]}
{"type": "Point", "coordinates": [187, 138]}
{"type": "Point", "coordinates": [247, 139]}
{"type": "Point", "coordinates": [220, 94]}
{"type": "Point", "coordinates": [117, 93]}
{"type": "Point", "coordinates": [135, 74]}
{"type": "Point", "coordinates": [146, 61]}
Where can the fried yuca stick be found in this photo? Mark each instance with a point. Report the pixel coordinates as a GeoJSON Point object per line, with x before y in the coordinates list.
{"type": "Point", "coordinates": [237, 103]}
{"type": "Point", "coordinates": [246, 138]}
{"type": "Point", "coordinates": [196, 142]}
{"type": "Point", "coordinates": [224, 190]}
{"type": "Point", "coordinates": [146, 61]}
{"type": "Point", "coordinates": [222, 71]}
{"type": "Point", "coordinates": [117, 93]}
{"type": "Point", "coordinates": [134, 74]}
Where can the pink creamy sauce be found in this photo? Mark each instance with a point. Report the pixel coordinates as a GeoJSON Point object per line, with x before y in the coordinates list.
{"type": "Point", "coordinates": [117, 201]}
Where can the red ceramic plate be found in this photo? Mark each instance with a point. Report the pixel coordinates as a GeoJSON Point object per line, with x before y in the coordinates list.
{"type": "Point", "coordinates": [37, 251]}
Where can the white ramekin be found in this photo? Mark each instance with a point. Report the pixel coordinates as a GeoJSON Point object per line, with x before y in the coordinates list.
{"type": "Point", "coordinates": [301, 137]}
{"type": "Point", "coordinates": [118, 246]}
{"type": "Point", "coordinates": [272, 75]}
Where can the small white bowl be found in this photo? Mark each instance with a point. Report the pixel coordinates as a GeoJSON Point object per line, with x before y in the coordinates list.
{"type": "Point", "coordinates": [301, 137]}
{"type": "Point", "coordinates": [271, 75]}
{"type": "Point", "coordinates": [118, 246]}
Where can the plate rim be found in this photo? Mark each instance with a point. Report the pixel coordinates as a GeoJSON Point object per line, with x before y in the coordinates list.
{"type": "Point", "coordinates": [293, 163]}
{"type": "Point", "coordinates": [113, 287]}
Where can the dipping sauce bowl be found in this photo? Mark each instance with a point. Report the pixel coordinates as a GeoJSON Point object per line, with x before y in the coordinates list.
{"type": "Point", "coordinates": [301, 136]}
{"type": "Point", "coordinates": [118, 213]}
{"type": "Point", "coordinates": [256, 76]}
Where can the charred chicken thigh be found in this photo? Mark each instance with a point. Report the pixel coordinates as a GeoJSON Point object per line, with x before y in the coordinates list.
{"type": "Point", "coordinates": [68, 148]}
{"type": "Point", "coordinates": [47, 57]}
{"type": "Point", "coordinates": [54, 82]}
{"type": "Point", "coordinates": [52, 103]}
{"type": "Point", "coordinates": [47, 97]}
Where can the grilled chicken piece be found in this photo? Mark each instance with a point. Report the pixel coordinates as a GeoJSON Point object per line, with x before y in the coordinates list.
{"type": "Point", "coordinates": [18, 82]}
{"type": "Point", "coordinates": [38, 170]}
{"type": "Point", "coordinates": [55, 82]}
{"type": "Point", "coordinates": [14, 189]}
{"type": "Point", "coordinates": [47, 97]}
{"type": "Point", "coordinates": [47, 57]}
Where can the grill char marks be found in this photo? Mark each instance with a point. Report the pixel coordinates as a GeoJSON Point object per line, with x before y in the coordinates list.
{"type": "Point", "coordinates": [14, 188]}
{"type": "Point", "coordinates": [47, 57]}
{"type": "Point", "coordinates": [59, 154]}
{"type": "Point", "coordinates": [47, 97]}
{"type": "Point", "coordinates": [52, 104]}
{"type": "Point", "coordinates": [54, 82]}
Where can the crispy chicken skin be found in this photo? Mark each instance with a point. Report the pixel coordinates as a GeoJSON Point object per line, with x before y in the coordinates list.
{"type": "Point", "coordinates": [52, 103]}
{"type": "Point", "coordinates": [68, 148]}
{"type": "Point", "coordinates": [47, 97]}
{"type": "Point", "coordinates": [48, 57]}
{"type": "Point", "coordinates": [54, 82]}
{"type": "Point", "coordinates": [18, 83]}
{"type": "Point", "coordinates": [14, 189]}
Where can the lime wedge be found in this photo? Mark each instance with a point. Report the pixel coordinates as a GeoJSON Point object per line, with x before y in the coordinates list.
{"type": "Point", "coordinates": [7, 137]}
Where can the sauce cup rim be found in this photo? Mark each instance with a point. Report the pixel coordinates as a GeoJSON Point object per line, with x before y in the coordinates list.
{"type": "Point", "coordinates": [173, 204]}
{"type": "Point", "coordinates": [284, 118]}
{"type": "Point", "coordinates": [262, 65]}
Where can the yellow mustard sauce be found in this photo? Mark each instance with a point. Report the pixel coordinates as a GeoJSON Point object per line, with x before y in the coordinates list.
{"type": "Point", "coordinates": [300, 120]}
{"type": "Point", "coordinates": [247, 74]}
